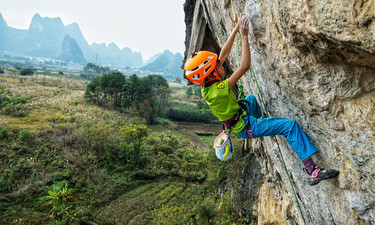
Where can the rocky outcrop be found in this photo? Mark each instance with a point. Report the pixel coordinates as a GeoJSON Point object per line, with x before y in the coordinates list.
{"type": "Point", "coordinates": [315, 63]}
{"type": "Point", "coordinates": [71, 52]}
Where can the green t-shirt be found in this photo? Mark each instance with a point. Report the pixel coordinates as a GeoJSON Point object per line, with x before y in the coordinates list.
{"type": "Point", "coordinates": [221, 100]}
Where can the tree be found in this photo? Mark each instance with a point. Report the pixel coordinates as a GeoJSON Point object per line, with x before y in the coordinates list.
{"type": "Point", "coordinates": [178, 80]}
{"type": "Point", "coordinates": [157, 81]}
{"type": "Point", "coordinates": [160, 100]}
{"type": "Point", "coordinates": [189, 92]}
{"type": "Point", "coordinates": [106, 90]}
{"type": "Point", "coordinates": [27, 72]}
{"type": "Point", "coordinates": [17, 67]}
{"type": "Point", "coordinates": [148, 95]}
{"type": "Point", "coordinates": [197, 91]}
{"type": "Point", "coordinates": [1, 71]}
{"type": "Point", "coordinates": [92, 70]}
{"type": "Point", "coordinates": [111, 86]}
{"type": "Point", "coordinates": [146, 111]}
{"type": "Point", "coordinates": [91, 91]}
{"type": "Point", "coordinates": [132, 135]}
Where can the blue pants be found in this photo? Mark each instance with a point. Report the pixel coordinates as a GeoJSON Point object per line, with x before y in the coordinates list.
{"type": "Point", "coordinates": [277, 126]}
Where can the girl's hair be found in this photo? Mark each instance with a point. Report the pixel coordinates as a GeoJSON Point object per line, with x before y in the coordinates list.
{"type": "Point", "coordinates": [207, 84]}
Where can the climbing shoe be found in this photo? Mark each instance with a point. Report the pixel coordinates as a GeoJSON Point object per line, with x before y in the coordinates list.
{"type": "Point", "coordinates": [320, 174]}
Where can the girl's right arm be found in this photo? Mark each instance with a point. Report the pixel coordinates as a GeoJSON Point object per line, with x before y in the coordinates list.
{"type": "Point", "coordinates": [224, 53]}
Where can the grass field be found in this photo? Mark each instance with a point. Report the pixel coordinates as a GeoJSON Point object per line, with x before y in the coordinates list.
{"type": "Point", "coordinates": [116, 174]}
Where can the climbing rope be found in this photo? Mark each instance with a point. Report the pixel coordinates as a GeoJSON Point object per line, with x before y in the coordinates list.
{"type": "Point", "coordinates": [241, 95]}
{"type": "Point", "coordinates": [240, 86]}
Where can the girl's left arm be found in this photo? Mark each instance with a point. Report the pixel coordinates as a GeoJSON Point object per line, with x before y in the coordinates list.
{"type": "Point", "coordinates": [246, 57]}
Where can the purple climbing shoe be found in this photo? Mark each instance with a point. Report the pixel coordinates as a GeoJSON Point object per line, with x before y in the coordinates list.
{"type": "Point", "coordinates": [320, 174]}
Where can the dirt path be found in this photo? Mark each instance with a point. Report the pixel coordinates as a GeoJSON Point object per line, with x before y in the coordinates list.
{"type": "Point", "coordinates": [190, 130]}
{"type": "Point", "coordinates": [201, 127]}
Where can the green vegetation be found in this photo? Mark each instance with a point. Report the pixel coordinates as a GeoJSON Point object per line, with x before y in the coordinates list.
{"type": "Point", "coordinates": [186, 112]}
{"type": "Point", "coordinates": [27, 72]}
{"type": "Point", "coordinates": [68, 161]}
{"type": "Point", "coordinates": [148, 95]}
{"type": "Point", "coordinates": [58, 198]}
{"type": "Point", "coordinates": [91, 71]}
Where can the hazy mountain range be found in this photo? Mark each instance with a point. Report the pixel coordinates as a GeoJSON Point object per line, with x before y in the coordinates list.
{"type": "Point", "coordinates": [50, 38]}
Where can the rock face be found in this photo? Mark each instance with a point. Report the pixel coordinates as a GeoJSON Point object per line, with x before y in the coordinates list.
{"type": "Point", "coordinates": [315, 63]}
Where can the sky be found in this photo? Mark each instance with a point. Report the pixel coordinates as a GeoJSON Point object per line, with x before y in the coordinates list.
{"type": "Point", "coordinates": [145, 26]}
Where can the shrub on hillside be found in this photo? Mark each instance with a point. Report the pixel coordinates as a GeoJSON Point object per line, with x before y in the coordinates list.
{"type": "Point", "coordinates": [26, 135]}
{"type": "Point", "coordinates": [4, 133]}
{"type": "Point", "coordinates": [15, 110]}
{"type": "Point", "coordinates": [6, 100]}
{"type": "Point", "coordinates": [27, 72]}
{"type": "Point", "coordinates": [13, 106]}
{"type": "Point", "coordinates": [17, 67]}
{"type": "Point", "coordinates": [189, 115]}
{"type": "Point", "coordinates": [59, 198]}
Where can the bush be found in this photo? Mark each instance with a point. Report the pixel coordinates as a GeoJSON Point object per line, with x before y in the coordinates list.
{"type": "Point", "coordinates": [13, 106]}
{"type": "Point", "coordinates": [5, 100]}
{"type": "Point", "coordinates": [59, 198]}
{"type": "Point", "coordinates": [26, 135]}
{"type": "Point", "coordinates": [16, 110]}
{"type": "Point", "coordinates": [17, 67]}
{"type": "Point", "coordinates": [191, 113]}
{"type": "Point", "coordinates": [1, 71]}
{"type": "Point", "coordinates": [4, 133]}
{"type": "Point", "coordinates": [206, 212]}
{"type": "Point", "coordinates": [27, 72]}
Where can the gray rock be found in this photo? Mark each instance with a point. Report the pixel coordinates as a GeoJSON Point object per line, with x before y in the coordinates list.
{"type": "Point", "coordinates": [315, 63]}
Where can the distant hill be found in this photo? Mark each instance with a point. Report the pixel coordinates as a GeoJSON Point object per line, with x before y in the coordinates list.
{"type": "Point", "coordinates": [45, 37]}
{"type": "Point", "coordinates": [70, 51]}
{"type": "Point", "coordinates": [9, 37]}
{"type": "Point", "coordinates": [168, 64]}
{"type": "Point", "coordinates": [113, 56]}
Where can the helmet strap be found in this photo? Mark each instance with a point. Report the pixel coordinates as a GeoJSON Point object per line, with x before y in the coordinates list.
{"type": "Point", "coordinates": [216, 77]}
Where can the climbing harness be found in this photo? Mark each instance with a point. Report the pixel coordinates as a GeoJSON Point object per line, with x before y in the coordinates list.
{"type": "Point", "coordinates": [240, 95]}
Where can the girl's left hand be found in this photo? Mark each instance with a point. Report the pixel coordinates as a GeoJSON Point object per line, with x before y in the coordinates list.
{"type": "Point", "coordinates": [244, 24]}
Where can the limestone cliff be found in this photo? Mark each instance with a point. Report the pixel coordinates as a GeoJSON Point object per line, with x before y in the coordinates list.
{"type": "Point", "coordinates": [315, 63]}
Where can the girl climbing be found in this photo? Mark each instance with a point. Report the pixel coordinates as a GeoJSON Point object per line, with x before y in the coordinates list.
{"type": "Point", "coordinates": [206, 69]}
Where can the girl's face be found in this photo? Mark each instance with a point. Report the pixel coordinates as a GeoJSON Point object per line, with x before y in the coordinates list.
{"type": "Point", "coordinates": [220, 70]}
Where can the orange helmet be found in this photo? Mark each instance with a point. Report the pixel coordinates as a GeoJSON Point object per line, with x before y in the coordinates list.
{"type": "Point", "coordinates": [200, 66]}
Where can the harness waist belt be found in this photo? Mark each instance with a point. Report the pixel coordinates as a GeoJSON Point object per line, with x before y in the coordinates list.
{"type": "Point", "coordinates": [232, 121]}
